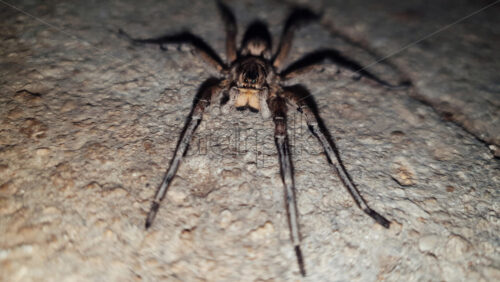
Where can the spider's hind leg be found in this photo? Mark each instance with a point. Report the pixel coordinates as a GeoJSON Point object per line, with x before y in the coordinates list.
{"type": "Point", "coordinates": [297, 95]}
{"type": "Point", "coordinates": [278, 108]}
{"type": "Point", "coordinates": [201, 102]}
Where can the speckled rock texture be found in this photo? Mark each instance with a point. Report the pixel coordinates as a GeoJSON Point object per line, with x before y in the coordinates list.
{"type": "Point", "coordinates": [89, 123]}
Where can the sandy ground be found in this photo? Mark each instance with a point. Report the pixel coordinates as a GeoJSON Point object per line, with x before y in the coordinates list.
{"type": "Point", "coordinates": [89, 122]}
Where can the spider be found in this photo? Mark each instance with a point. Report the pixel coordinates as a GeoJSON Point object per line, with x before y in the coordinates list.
{"type": "Point", "coordinates": [253, 79]}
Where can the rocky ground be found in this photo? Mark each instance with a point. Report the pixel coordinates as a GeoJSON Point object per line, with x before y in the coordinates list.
{"type": "Point", "coordinates": [89, 123]}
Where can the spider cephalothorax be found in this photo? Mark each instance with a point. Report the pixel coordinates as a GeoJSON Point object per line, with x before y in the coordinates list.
{"type": "Point", "coordinates": [251, 72]}
{"type": "Point", "coordinates": [252, 79]}
{"type": "Point", "coordinates": [252, 76]}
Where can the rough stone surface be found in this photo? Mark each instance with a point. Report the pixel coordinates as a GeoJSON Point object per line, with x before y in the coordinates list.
{"type": "Point", "coordinates": [88, 124]}
{"type": "Point", "coordinates": [448, 49]}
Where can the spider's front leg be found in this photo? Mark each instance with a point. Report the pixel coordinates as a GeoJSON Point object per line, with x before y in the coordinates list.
{"type": "Point", "coordinates": [207, 91]}
{"type": "Point", "coordinates": [278, 108]}
{"type": "Point", "coordinates": [296, 18]}
{"type": "Point", "coordinates": [332, 153]}
{"type": "Point", "coordinates": [318, 57]}
{"type": "Point", "coordinates": [231, 31]}
{"type": "Point", "coordinates": [186, 37]}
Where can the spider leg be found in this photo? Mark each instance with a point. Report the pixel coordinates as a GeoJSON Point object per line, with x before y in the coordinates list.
{"type": "Point", "coordinates": [278, 108]}
{"type": "Point", "coordinates": [185, 37]}
{"type": "Point", "coordinates": [297, 17]}
{"type": "Point", "coordinates": [201, 102]}
{"type": "Point", "coordinates": [231, 31]}
{"type": "Point", "coordinates": [309, 61]}
{"type": "Point", "coordinates": [296, 97]}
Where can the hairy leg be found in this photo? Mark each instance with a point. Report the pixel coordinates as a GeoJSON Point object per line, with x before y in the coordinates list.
{"type": "Point", "coordinates": [332, 154]}
{"type": "Point", "coordinates": [200, 104]}
{"type": "Point", "coordinates": [278, 108]}
{"type": "Point", "coordinates": [231, 31]}
{"type": "Point", "coordinates": [295, 19]}
{"type": "Point", "coordinates": [202, 48]}
{"type": "Point", "coordinates": [313, 59]}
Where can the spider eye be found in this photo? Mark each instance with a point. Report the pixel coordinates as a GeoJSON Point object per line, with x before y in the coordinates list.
{"type": "Point", "coordinates": [252, 75]}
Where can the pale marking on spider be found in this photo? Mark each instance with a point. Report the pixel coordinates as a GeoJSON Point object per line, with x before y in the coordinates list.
{"type": "Point", "coordinates": [252, 79]}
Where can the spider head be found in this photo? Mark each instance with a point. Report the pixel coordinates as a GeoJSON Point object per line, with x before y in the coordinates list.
{"type": "Point", "coordinates": [251, 74]}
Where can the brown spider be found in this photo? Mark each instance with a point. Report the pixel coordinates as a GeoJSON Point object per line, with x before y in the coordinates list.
{"type": "Point", "coordinates": [252, 80]}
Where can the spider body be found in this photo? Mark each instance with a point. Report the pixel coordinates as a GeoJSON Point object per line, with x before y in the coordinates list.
{"type": "Point", "coordinates": [253, 79]}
